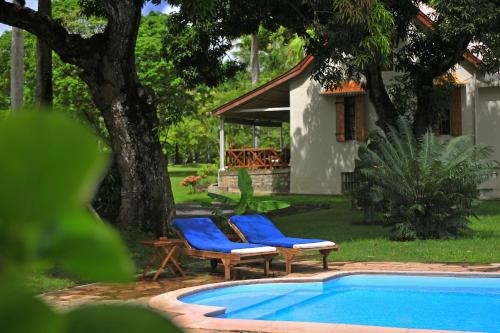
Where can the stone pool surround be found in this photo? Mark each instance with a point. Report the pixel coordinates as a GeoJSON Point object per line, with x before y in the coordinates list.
{"type": "Point", "coordinates": [193, 316]}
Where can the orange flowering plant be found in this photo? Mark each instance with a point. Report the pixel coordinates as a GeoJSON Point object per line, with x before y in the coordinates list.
{"type": "Point", "coordinates": [191, 182]}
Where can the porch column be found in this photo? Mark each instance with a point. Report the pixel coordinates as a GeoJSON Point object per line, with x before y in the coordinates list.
{"type": "Point", "coordinates": [222, 152]}
{"type": "Point", "coordinates": [256, 132]}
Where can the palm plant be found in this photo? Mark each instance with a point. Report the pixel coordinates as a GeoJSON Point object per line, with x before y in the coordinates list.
{"type": "Point", "coordinates": [424, 187]}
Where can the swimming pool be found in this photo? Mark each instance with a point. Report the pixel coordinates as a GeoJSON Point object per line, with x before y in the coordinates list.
{"type": "Point", "coordinates": [422, 302]}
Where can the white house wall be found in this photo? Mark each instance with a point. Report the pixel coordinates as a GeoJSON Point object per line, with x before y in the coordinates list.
{"type": "Point", "coordinates": [317, 159]}
{"type": "Point", "coordinates": [488, 130]}
{"type": "Point", "coordinates": [481, 117]}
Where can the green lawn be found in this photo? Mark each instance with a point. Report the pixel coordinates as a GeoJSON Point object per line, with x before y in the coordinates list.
{"type": "Point", "coordinates": [361, 242]}
{"type": "Point", "coordinates": [41, 282]}
{"type": "Point", "coordinates": [182, 194]}
{"type": "Point", "coordinates": [341, 224]}
{"type": "Point", "coordinates": [370, 242]}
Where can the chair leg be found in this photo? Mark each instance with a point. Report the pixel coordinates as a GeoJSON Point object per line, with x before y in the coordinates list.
{"type": "Point", "coordinates": [325, 254]}
{"type": "Point", "coordinates": [227, 268]}
{"type": "Point", "coordinates": [288, 263]}
{"type": "Point", "coordinates": [267, 263]}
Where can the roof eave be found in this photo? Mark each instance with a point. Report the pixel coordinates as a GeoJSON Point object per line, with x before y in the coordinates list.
{"type": "Point", "coordinates": [293, 72]}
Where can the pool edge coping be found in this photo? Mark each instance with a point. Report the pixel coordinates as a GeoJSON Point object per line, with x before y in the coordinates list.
{"type": "Point", "coordinates": [193, 316]}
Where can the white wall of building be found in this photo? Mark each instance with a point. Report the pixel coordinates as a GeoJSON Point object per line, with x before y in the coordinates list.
{"type": "Point", "coordinates": [488, 131]}
{"type": "Point", "coordinates": [481, 117]}
{"type": "Point", "coordinates": [317, 159]}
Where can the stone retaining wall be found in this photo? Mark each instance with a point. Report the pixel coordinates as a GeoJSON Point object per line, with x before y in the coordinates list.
{"type": "Point", "coordinates": [265, 181]}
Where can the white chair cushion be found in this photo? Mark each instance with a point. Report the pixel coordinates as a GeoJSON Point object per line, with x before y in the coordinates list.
{"type": "Point", "coordinates": [254, 250]}
{"type": "Point", "coordinates": [313, 245]}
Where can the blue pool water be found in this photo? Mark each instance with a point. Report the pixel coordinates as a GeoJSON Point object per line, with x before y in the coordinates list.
{"type": "Point", "coordinates": [427, 302]}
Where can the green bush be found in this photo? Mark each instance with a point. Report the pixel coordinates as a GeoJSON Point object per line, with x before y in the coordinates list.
{"type": "Point", "coordinates": [207, 170]}
{"type": "Point", "coordinates": [424, 187]}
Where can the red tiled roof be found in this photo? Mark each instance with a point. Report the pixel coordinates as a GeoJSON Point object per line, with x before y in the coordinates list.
{"type": "Point", "coordinates": [346, 88]}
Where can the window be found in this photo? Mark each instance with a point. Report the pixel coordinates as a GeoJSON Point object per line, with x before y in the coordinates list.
{"type": "Point", "coordinates": [348, 181]}
{"type": "Point", "coordinates": [450, 120]}
{"type": "Point", "coordinates": [350, 118]}
{"type": "Point", "coordinates": [444, 126]}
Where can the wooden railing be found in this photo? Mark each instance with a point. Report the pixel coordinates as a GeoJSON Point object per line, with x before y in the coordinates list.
{"type": "Point", "coordinates": [255, 158]}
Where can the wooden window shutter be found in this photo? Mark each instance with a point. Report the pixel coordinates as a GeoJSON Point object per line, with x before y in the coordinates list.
{"type": "Point", "coordinates": [360, 117]}
{"type": "Point", "coordinates": [456, 112]}
{"type": "Point", "coordinates": [339, 119]}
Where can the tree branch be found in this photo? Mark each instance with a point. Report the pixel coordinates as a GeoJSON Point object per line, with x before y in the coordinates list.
{"type": "Point", "coordinates": [72, 48]}
{"type": "Point", "coordinates": [297, 11]}
{"type": "Point", "coordinates": [386, 111]}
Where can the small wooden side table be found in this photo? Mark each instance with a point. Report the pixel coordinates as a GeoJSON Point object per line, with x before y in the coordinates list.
{"type": "Point", "coordinates": [164, 250]}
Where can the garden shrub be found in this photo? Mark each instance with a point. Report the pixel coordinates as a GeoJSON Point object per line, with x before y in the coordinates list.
{"type": "Point", "coordinates": [207, 170]}
{"type": "Point", "coordinates": [191, 182]}
{"type": "Point", "coordinates": [403, 232]}
{"type": "Point", "coordinates": [423, 187]}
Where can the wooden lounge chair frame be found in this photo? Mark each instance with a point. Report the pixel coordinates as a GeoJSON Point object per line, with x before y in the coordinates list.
{"type": "Point", "coordinates": [229, 260]}
{"type": "Point", "coordinates": [293, 255]}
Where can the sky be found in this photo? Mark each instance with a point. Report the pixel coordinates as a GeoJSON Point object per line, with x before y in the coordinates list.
{"type": "Point", "coordinates": [164, 7]}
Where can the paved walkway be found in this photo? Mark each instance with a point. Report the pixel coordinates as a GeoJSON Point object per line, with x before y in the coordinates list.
{"type": "Point", "coordinates": [200, 273]}
{"type": "Point", "coordinates": [196, 209]}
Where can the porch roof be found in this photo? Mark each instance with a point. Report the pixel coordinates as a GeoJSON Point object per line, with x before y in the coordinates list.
{"type": "Point", "coordinates": [268, 104]}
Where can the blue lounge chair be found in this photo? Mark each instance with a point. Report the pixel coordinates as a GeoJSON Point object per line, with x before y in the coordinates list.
{"type": "Point", "coordinates": [203, 239]}
{"type": "Point", "coordinates": [259, 229]}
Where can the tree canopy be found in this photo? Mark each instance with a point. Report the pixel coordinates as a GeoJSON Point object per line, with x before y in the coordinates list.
{"type": "Point", "coordinates": [359, 39]}
{"type": "Point", "coordinates": [72, 95]}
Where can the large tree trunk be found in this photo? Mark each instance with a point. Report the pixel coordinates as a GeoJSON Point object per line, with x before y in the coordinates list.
{"type": "Point", "coordinates": [107, 63]}
{"type": "Point", "coordinates": [143, 171]}
{"type": "Point", "coordinates": [17, 67]}
{"type": "Point", "coordinates": [129, 111]}
{"type": "Point", "coordinates": [426, 114]}
{"type": "Point", "coordinates": [44, 93]}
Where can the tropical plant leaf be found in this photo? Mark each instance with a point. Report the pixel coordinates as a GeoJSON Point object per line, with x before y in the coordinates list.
{"type": "Point", "coordinates": [223, 199]}
{"type": "Point", "coordinates": [417, 208]}
{"type": "Point", "coordinates": [76, 240]}
{"type": "Point", "coordinates": [246, 191]}
{"type": "Point", "coordinates": [425, 186]}
{"type": "Point", "coordinates": [268, 205]}
{"type": "Point", "coordinates": [245, 183]}
{"type": "Point", "coordinates": [20, 312]}
{"type": "Point", "coordinates": [206, 204]}
{"type": "Point", "coordinates": [50, 164]}
{"type": "Point", "coordinates": [242, 207]}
